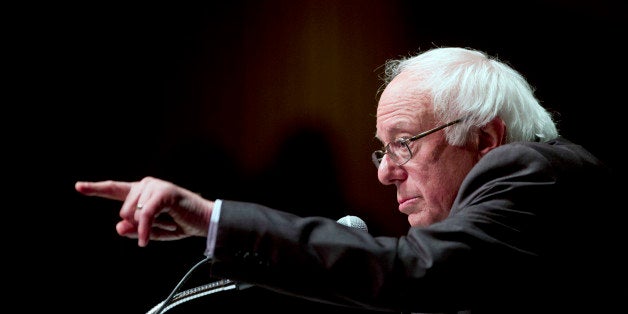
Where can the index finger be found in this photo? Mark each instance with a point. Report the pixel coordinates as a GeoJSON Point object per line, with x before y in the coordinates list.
{"type": "Point", "coordinates": [115, 190]}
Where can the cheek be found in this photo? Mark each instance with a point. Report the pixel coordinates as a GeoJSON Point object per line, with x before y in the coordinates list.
{"type": "Point", "coordinates": [432, 182]}
{"type": "Point", "coordinates": [439, 178]}
{"type": "Point", "coordinates": [451, 172]}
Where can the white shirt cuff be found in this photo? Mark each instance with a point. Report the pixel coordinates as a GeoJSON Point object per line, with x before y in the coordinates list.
{"type": "Point", "coordinates": [213, 229]}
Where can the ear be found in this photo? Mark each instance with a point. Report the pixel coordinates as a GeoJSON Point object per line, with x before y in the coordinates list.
{"type": "Point", "coordinates": [492, 135]}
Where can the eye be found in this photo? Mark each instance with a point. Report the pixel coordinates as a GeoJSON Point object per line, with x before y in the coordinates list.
{"type": "Point", "coordinates": [402, 140]}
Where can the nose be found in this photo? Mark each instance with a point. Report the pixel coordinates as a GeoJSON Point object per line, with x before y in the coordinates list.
{"type": "Point", "coordinates": [389, 172]}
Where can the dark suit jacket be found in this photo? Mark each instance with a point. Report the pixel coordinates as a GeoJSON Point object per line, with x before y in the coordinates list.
{"type": "Point", "coordinates": [534, 229]}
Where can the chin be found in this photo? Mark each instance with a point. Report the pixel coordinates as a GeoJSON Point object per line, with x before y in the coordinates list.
{"type": "Point", "coordinates": [418, 220]}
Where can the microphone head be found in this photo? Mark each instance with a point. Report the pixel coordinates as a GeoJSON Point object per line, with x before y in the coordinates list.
{"type": "Point", "coordinates": [353, 222]}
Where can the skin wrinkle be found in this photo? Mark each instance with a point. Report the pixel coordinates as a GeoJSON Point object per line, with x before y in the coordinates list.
{"type": "Point", "coordinates": [425, 184]}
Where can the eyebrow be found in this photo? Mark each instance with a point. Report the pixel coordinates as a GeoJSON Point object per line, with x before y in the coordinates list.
{"type": "Point", "coordinates": [396, 129]}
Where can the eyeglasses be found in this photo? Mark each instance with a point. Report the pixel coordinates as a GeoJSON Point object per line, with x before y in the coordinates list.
{"type": "Point", "coordinates": [399, 150]}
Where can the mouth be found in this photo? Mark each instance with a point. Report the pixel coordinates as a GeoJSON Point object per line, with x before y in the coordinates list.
{"type": "Point", "coordinates": [405, 204]}
{"type": "Point", "coordinates": [401, 201]}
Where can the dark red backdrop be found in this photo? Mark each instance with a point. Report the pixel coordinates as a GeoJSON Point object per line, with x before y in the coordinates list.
{"type": "Point", "coordinates": [273, 102]}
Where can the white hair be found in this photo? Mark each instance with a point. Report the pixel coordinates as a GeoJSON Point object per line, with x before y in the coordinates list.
{"type": "Point", "coordinates": [466, 83]}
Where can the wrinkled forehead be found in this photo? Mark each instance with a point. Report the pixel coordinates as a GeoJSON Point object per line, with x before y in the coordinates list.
{"type": "Point", "coordinates": [404, 106]}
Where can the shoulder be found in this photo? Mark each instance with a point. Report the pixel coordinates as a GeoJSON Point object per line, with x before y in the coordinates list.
{"type": "Point", "coordinates": [542, 169]}
{"type": "Point", "coordinates": [556, 155]}
{"type": "Point", "coordinates": [545, 169]}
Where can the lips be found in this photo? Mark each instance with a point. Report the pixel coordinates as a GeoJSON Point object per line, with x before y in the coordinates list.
{"type": "Point", "coordinates": [405, 204]}
{"type": "Point", "coordinates": [403, 200]}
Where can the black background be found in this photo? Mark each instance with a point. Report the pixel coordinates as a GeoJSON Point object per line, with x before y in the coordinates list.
{"type": "Point", "coordinates": [268, 101]}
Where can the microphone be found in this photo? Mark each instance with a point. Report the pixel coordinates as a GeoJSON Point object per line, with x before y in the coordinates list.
{"type": "Point", "coordinates": [175, 298]}
{"type": "Point", "coordinates": [353, 222]}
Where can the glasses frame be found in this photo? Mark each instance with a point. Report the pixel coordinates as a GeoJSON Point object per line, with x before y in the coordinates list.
{"type": "Point", "coordinates": [405, 141]}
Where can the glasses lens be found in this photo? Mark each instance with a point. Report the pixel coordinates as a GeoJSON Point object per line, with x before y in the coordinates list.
{"type": "Point", "coordinates": [399, 151]}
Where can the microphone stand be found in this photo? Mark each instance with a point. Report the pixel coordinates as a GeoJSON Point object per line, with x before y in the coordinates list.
{"type": "Point", "coordinates": [197, 292]}
{"type": "Point", "coordinates": [175, 298]}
